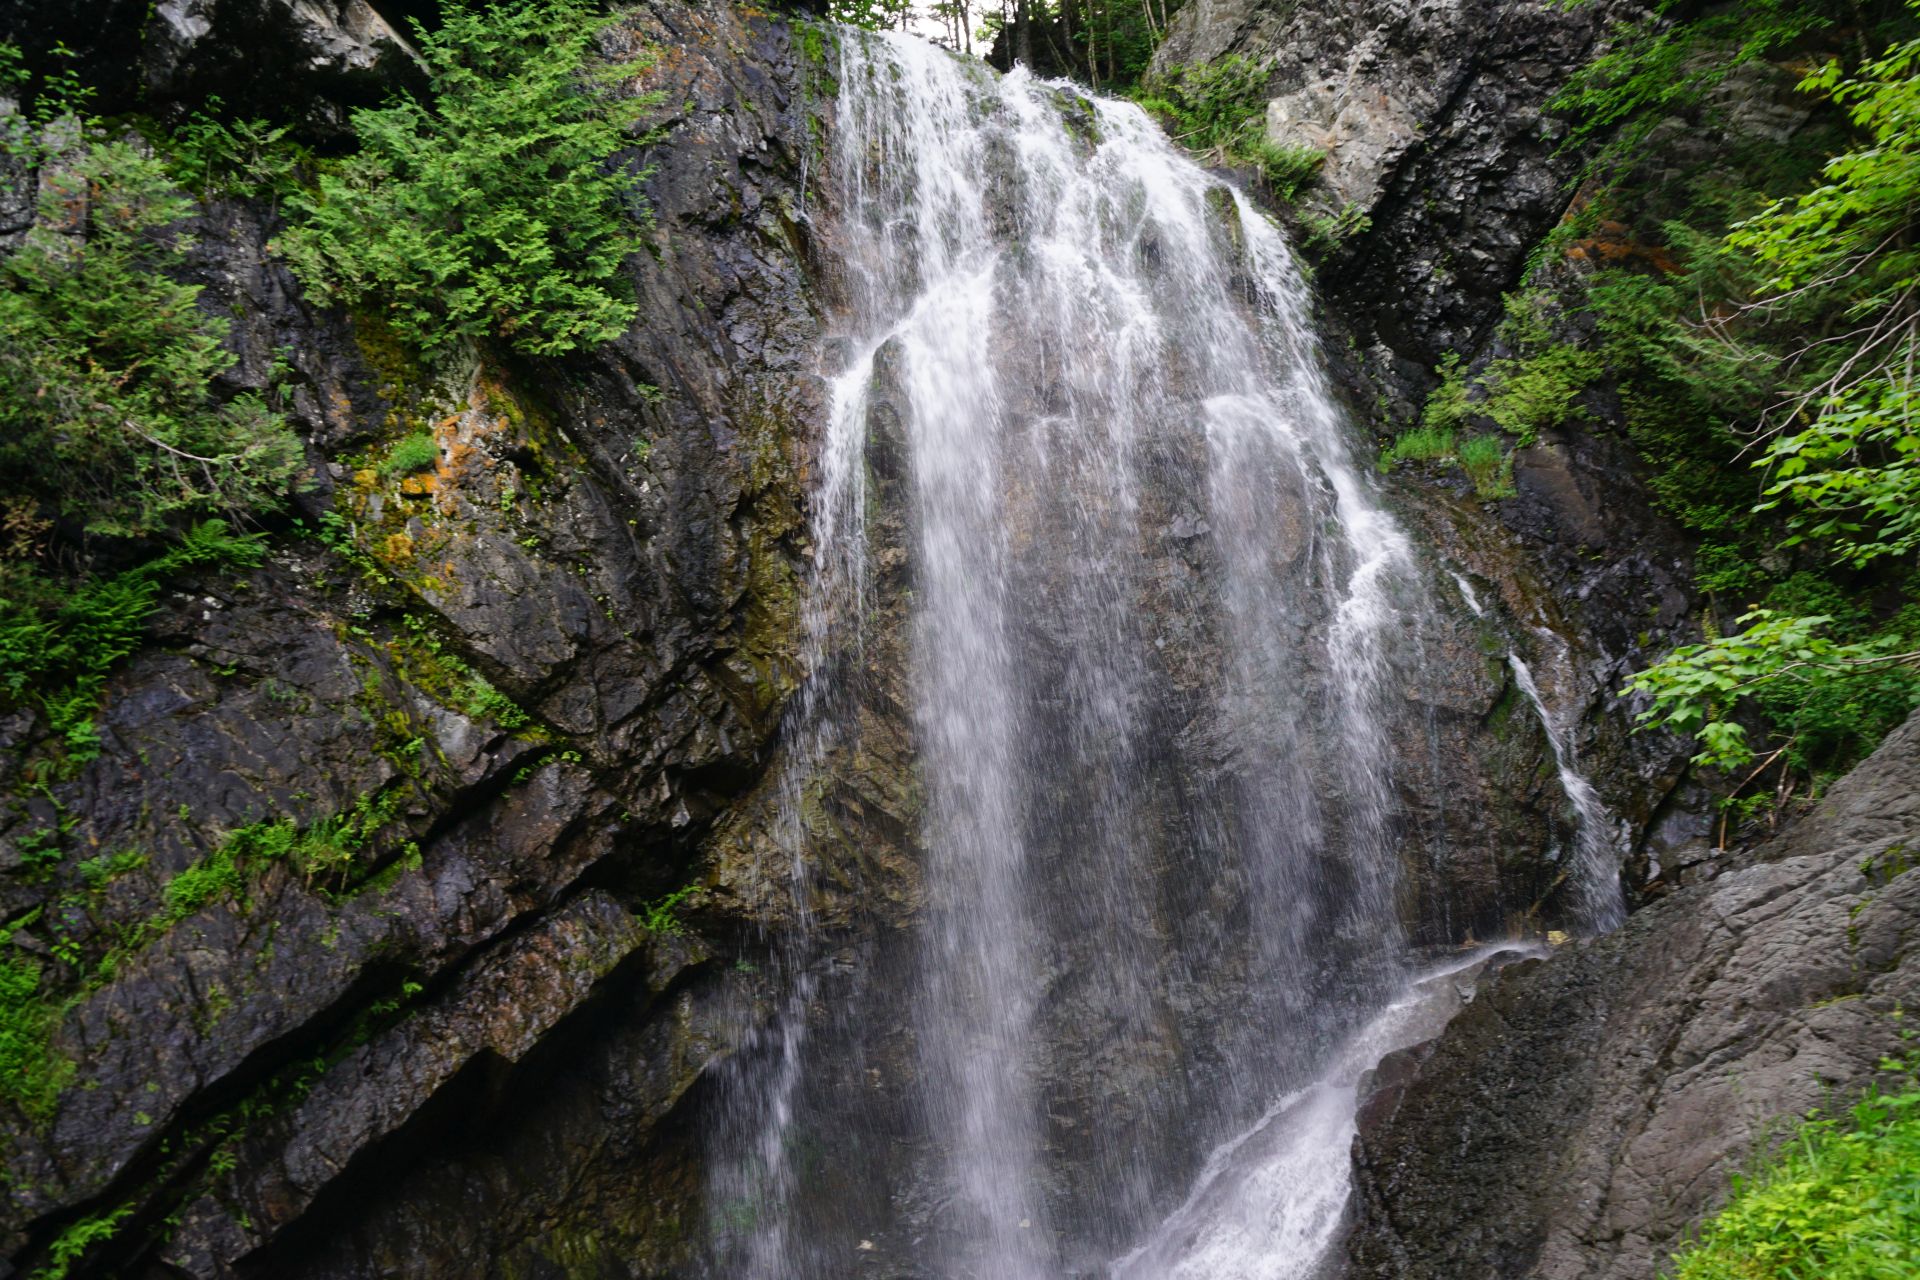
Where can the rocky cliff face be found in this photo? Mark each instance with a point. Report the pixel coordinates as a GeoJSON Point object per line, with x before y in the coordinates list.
{"type": "Point", "coordinates": [364, 1077]}
{"type": "Point", "coordinates": [1588, 1109]}
{"type": "Point", "coordinates": [498, 1050]}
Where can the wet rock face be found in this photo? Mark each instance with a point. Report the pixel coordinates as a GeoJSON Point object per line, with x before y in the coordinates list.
{"type": "Point", "coordinates": [1588, 1109]}
{"type": "Point", "coordinates": [1433, 119]}
{"type": "Point", "coordinates": [482, 1009]}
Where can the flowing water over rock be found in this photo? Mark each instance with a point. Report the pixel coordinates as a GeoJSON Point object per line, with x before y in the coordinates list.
{"type": "Point", "coordinates": [1593, 865]}
{"type": "Point", "coordinates": [1154, 619]}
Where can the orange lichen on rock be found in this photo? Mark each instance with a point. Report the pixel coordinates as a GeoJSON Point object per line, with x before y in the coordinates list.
{"type": "Point", "coordinates": [1611, 243]}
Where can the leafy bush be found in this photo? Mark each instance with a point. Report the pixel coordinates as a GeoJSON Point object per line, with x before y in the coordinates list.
{"type": "Point", "coordinates": [1862, 688]}
{"type": "Point", "coordinates": [496, 207]}
{"type": "Point", "coordinates": [1659, 67]}
{"type": "Point", "coordinates": [245, 159]}
{"type": "Point", "coordinates": [1215, 106]}
{"type": "Point", "coordinates": [1836, 1202]}
{"type": "Point", "coordinates": [1287, 170]}
{"type": "Point", "coordinates": [1220, 108]}
{"type": "Point", "coordinates": [1793, 337]}
{"type": "Point", "coordinates": [1844, 448]}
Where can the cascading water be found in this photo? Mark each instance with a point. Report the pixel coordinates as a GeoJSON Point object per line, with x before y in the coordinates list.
{"type": "Point", "coordinates": [1156, 619]}
{"type": "Point", "coordinates": [1594, 868]}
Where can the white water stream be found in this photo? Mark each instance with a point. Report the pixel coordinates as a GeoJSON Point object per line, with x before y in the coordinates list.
{"type": "Point", "coordinates": [1594, 868]}
{"type": "Point", "coordinates": [1159, 624]}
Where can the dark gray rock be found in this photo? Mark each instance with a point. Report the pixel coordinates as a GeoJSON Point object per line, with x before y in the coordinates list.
{"type": "Point", "coordinates": [612, 542]}
{"type": "Point", "coordinates": [1588, 1109]}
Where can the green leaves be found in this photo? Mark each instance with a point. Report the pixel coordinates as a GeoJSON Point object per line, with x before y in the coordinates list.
{"type": "Point", "coordinates": [1696, 689]}
{"type": "Point", "coordinates": [1844, 452]}
{"type": "Point", "coordinates": [496, 207]}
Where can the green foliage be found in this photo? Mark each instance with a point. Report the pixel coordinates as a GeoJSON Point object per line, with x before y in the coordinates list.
{"type": "Point", "coordinates": [1287, 170]}
{"type": "Point", "coordinates": [1782, 334]}
{"type": "Point", "coordinates": [663, 916]}
{"type": "Point", "coordinates": [1836, 1201]}
{"type": "Point", "coordinates": [446, 678]}
{"type": "Point", "coordinates": [1421, 444]}
{"type": "Point", "coordinates": [1523, 394]}
{"type": "Point", "coordinates": [496, 207]}
{"type": "Point", "coordinates": [72, 1244]}
{"type": "Point", "coordinates": [1219, 108]}
{"type": "Point", "coordinates": [1325, 231]}
{"type": "Point", "coordinates": [325, 852]}
{"type": "Point", "coordinates": [31, 1073]}
{"type": "Point", "coordinates": [59, 642]}
{"type": "Point", "coordinates": [1668, 64]}
{"type": "Point", "coordinates": [411, 453]}
{"type": "Point", "coordinates": [1215, 106]}
{"type": "Point", "coordinates": [243, 159]}
{"type": "Point", "coordinates": [1485, 459]}
{"type": "Point", "coordinates": [108, 414]}
{"type": "Point", "coordinates": [1845, 453]}
{"type": "Point", "coordinates": [1489, 464]}
{"type": "Point", "coordinates": [1527, 396]}
{"type": "Point", "coordinates": [873, 15]}
{"type": "Point", "coordinates": [1863, 686]}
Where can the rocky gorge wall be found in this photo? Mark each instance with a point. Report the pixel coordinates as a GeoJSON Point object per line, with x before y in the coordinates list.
{"type": "Point", "coordinates": [1588, 1110]}
{"type": "Point", "coordinates": [618, 562]}
{"type": "Point", "coordinates": [501, 1050]}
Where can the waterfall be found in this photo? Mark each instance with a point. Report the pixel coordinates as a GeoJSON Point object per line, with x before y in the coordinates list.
{"type": "Point", "coordinates": [1594, 867]}
{"type": "Point", "coordinates": [1156, 630]}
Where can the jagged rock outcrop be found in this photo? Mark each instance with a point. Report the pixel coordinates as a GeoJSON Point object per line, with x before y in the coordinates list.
{"type": "Point", "coordinates": [1434, 123]}
{"type": "Point", "coordinates": [610, 545]}
{"type": "Point", "coordinates": [305, 61]}
{"type": "Point", "coordinates": [1589, 1108]}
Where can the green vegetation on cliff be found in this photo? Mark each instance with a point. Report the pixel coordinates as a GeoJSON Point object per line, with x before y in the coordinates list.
{"type": "Point", "coordinates": [114, 430]}
{"type": "Point", "coordinates": [1748, 316]}
{"type": "Point", "coordinates": [497, 206]}
{"type": "Point", "coordinates": [110, 419]}
{"type": "Point", "coordinates": [1220, 110]}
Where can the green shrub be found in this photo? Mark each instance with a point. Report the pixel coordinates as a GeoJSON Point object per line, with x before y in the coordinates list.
{"type": "Point", "coordinates": [1287, 170]}
{"type": "Point", "coordinates": [1447, 407]}
{"type": "Point", "coordinates": [1529, 395]}
{"type": "Point", "coordinates": [496, 206]}
{"type": "Point", "coordinates": [1215, 106]}
{"type": "Point", "coordinates": [1837, 1202]}
{"type": "Point", "coordinates": [108, 413]}
{"type": "Point", "coordinates": [59, 641]}
{"type": "Point", "coordinates": [243, 159]}
{"type": "Point", "coordinates": [1220, 108]}
{"type": "Point", "coordinates": [412, 453]}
